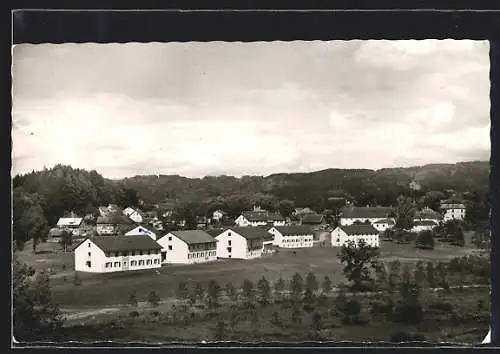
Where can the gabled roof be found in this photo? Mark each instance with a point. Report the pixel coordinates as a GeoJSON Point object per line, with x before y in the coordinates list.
{"type": "Point", "coordinates": [275, 217]}
{"type": "Point", "coordinates": [452, 206]}
{"type": "Point", "coordinates": [294, 230]}
{"type": "Point", "coordinates": [114, 219]}
{"type": "Point", "coordinates": [124, 243]}
{"type": "Point", "coordinates": [193, 236]}
{"type": "Point", "coordinates": [69, 221]}
{"type": "Point", "coordinates": [141, 230]}
{"type": "Point", "coordinates": [312, 219]}
{"type": "Point", "coordinates": [359, 229]}
{"type": "Point", "coordinates": [365, 212]}
{"type": "Point", "coordinates": [251, 233]}
{"type": "Point", "coordinates": [215, 232]}
{"type": "Point", "coordinates": [427, 213]}
{"type": "Point", "coordinates": [385, 221]}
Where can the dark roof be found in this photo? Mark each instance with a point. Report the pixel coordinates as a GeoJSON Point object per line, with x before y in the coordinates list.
{"type": "Point", "coordinates": [124, 243]}
{"type": "Point", "coordinates": [366, 212]}
{"type": "Point", "coordinates": [312, 219]}
{"type": "Point", "coordinates": [251, 233]}
{"type": "Point", "coordinates": [275, 217]}
{"type": "Point", "coordinates": [359, 229]}
{"type": "Point", "coordinates": [427, 213]}
{"type": "Point", "coordinates": [294, 230]}
{"type": "Point", "coordinates": [114, 219]}
{"type": "Point", "coordinates": [424, 223]}
{"type": "Point", "coordinates": [385, 221]}
{"type": "Point", "coordinates": [194, 236]}
{"type": "Point", "coordinates": [215, 232]}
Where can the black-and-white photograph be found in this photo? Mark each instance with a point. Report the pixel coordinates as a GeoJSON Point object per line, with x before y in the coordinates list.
{"type": "Point", "coordinates": [251, 192]}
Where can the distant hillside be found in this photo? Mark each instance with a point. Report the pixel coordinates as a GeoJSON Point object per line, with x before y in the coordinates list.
{"type": "Point", "coordinates": [383, 185]}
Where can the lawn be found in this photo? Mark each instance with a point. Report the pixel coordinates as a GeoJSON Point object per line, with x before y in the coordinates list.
{"type": "Point", "coordinates": [101, 290]}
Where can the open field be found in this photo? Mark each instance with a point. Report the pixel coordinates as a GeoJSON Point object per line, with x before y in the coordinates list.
{"type": "Point", "coordinates": [102, 290]}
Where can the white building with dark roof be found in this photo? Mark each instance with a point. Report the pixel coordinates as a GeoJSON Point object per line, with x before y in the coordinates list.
{"type": "Point", "coordinates": [106, 254]}
{"type": "Point", "coordinates": [423, 225]}
{"type": "Point", "coordinates": [71, 224]}
{"type": "Point", "coordinates": [188, 246]}
{"type": "Point", "coordinates": [342, 235]}
{"type": "Point", "coordinates": [351, 215]}
{"type": "Point", "coordinates": [134, 214]}
{"type": "Point", "coordinates": [384, 224]}
{"type": "Point", "coordinates": [240, 242]}
{"type": "Point", "coordinates": [113, 224]}
{"type": "Point", "coordinates": [259, 218]}
{"type": "Point", "coordinates": [300, 236]}
{"type": "Point", "coordinates": [453, 211]}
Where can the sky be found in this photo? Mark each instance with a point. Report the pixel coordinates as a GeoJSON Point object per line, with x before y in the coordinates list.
{"type": "Point", "coordinates": [197, 109]}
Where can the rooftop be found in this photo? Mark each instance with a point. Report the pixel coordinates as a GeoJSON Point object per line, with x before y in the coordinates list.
{"type": "Point", "coordinates": [366, 212]}
{"type": "Point", "coordinates": [251, 233]}
{"type": "Point", "coordinates": [294, 230]}
{"type": "Point", "coordinates": [114, 219]}
{"type": "Point", "coordinates": [312, 218]}
{"type": "Point", "coordinates": [359, 229]}
{"type": "Point", "coordinates": [125, 243]}
{"type": "Point", "coordinates": [194, 236]}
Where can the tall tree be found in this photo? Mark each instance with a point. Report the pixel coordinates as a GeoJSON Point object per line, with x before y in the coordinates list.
{"type": "Point", "coordinates": [279, 286]}
{"type": "Point", "coordinates": [35, 315]}
{"type": "Point", "coordinates": [213, 294]}
{"type": "Point", "coordinates": [425, 240]}
{"type": "Point", "coordinates": [286, 207]}
{"type": "Point", "coordinates": [327, 284]}
{"type": "Point", "coordinates": [358, 260]}
{"type": "Point", "coordinates": [248, 291]}
{"type": "Point", "coordinates": [296, 286]}
{"type": "Point", "coordinates": [431, 275]}
{"type": "Point", "coordinates": [66, 240]}
{"type": "Point", "coordinates": [405, 212]}
{"type": "Point", "coordinates": [231, 292]}
{"type": "Point", "coordinates": [311, 282]}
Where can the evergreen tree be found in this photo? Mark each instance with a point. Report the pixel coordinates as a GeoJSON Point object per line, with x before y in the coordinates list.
{"type": "Point", "coordinates": [231, 292]}
{"type": "Point", "coordinates": [296, 286]}
{"type": "Point", "coordinates": [132, 299]}
{"type": "Point", "coordinates": [264, 291]}
{"type": "Point", "coordinates": [279, 286]}
{"type": "Point", "coordinates": [248, 291]}
{"type": "Point", "coordinates": [213, 294]}
{"type": "Point", "coordinates": [311, 282]}
{"type": "Point", "coordinates": [431, 276]}
{"type": "Point", "coordinates": [153, 299]}
{"type": "Point", "coordinates": [327, 284]}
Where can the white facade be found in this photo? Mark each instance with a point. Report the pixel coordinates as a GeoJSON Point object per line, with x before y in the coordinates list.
{"type": "Point", "coordinates": [90, 258]}
{"type": "Point", "coordinates": [106, 229]}
{"type": "Point", "coordinates": [423, 226]}
{"type": "Point", "coordinates": [454, 214]}
{"type": "Point", "coordinates": [292, 241]}
{"type": "Point", "coordinates": [383, 225]}
{"type": "Point", "coordinates": [242, 221]}
{"type": "Point", "coordinates": [133, 215]}
{"type": "Point", "coordinates": [141, 230]}
{"type": "Point", "coordinates": [217, 215]}
{"type": "Point", "coordinates": [177, 251]}
{"type": "Point", "coordinates": [350, 221]}
{"type": "Point", "coordinates": [232, 245]}
{"type": "Point", "coordinates": [279, 223]}
{"type": "Point", "coordinates": [340, 238]}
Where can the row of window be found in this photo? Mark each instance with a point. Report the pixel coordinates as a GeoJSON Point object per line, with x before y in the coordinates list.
{"type": "Point", "coordinates": [133, 253]}
{"type": "Point", "coordinates": [141, 262]}
{"type": "Point", "coordinates": [201, 254]}
{"type": "Point", "coordinates": [307, 239]}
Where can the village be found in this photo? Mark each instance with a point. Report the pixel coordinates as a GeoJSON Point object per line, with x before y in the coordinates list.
{"type": "Point", "coordinates": [129, 239]}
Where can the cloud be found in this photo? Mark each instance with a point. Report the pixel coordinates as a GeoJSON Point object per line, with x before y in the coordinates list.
{"type": "Point", "coordinates": [249, 108]}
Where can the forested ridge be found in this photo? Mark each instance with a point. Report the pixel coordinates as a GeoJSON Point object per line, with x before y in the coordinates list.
{"type": "Point", "coordinates": [41, 197]}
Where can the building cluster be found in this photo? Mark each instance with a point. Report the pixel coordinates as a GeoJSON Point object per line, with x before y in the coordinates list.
{"type": "Point", "coordinates": [128, 240]}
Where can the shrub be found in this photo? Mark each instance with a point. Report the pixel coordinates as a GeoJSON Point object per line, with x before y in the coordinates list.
{"type": "Point", "coordinates": [411, 313]}
{"type": "Point", "coordinates": [76, 280]}
{"type": "Point", "coordinates": [133, 314]}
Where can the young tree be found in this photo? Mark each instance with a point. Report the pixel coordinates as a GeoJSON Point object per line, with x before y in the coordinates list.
{"type": "Point", "coordinates": [381, 280]}
{"type": "Point", "coordinates": [132, 299]}
{"type": "Point", "coordinates": [66, 240]}
{"type": "Point", "coordinates": [425, 240]}
{"type": "Point", "coordinates": [351, 310]}
{"type": "Point", "coordinates": [327, 284]}
{"type": "Point", "coordinates": [311, 282]}
{"type": "Point", "coordinates": [199, 292]}
{"type": "Point", "coordinates": [394, 274]}
{"type": "Point", "coordinates": [358, 260]}
{"type": "Point", "coordinates": [264, 290]}
{"type": "Point", "coordinates": [213, 294]}
{"type": "Point", "coordinates": [441, 273]}
{"type": "Point", "coordinates": [35, 315]}
{"type": "Point", "coordinates": [317, 325]}
{"type": "Point", "coordinates": [341, 298]}
{"type": "Point", "coordinates": [231, 292]}
{"type": "Point", "coordinates": [279, 286]}
{"type": "Point", "coordinates": [308, 299]}
{"type": "Point", "coordinates": [296, 286]}
{"type": "Point", "coordinates": [248, 291]}
{"type": "Point", "coordinates": [419, 273]}
{"type": "Point", "coordinates": [431, 275]}
{"type": "Point", "coordinates": [296, 314]}
{"type": "Point", "coordinates": [153, 299]}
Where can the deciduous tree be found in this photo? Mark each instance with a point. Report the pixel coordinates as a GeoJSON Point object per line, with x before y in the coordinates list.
{"type": "Point", "coordinates": [357, 260]}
